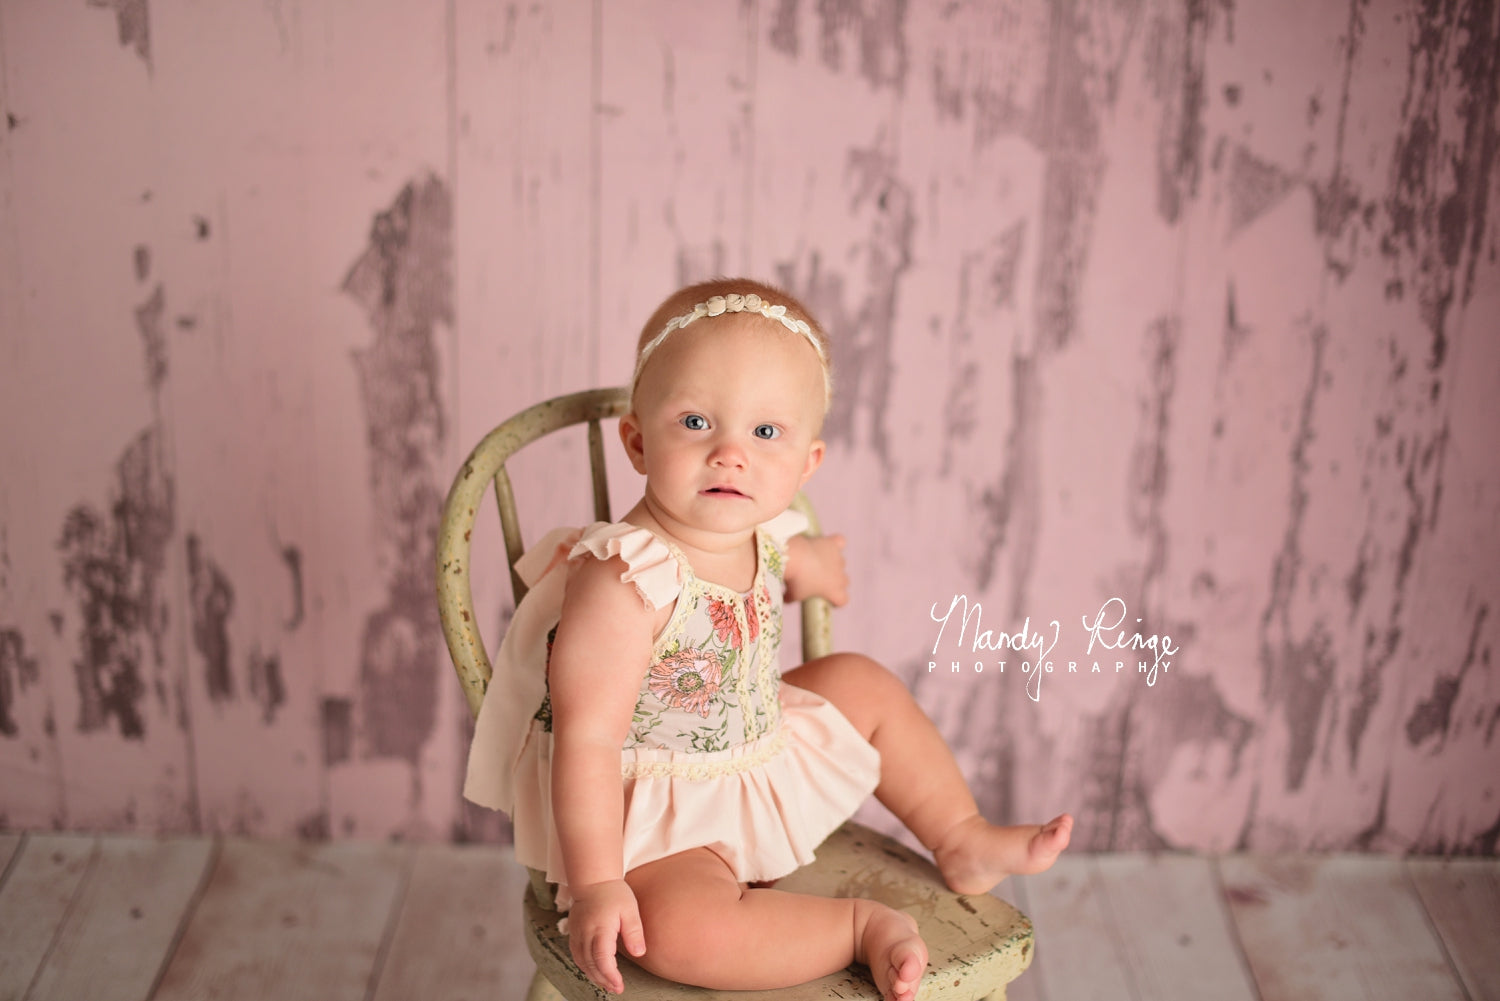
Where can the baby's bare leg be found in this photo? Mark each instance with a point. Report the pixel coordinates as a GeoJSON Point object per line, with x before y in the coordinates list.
{"type": "Point", "coordinates": [705, 929]}
{"type": "Point", "coordinates": [921, 783]}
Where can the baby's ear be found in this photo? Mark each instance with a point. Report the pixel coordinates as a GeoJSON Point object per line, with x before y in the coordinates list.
{"type": "Point", "coordinates": [815, 454]}
{"type": "Point", "coordinates": [634, 441]}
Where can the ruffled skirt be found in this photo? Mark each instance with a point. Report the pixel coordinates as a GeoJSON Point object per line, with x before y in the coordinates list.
{"type": "Point", "coordinates": [763, 807]}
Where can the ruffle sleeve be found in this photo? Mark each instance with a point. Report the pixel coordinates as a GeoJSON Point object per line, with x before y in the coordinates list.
{"type": "Point", "coordinates": [649, 564]}
{"type": "Point", "coordinates": [519, 682]}
{"type": "Point", "coordinates": [785, 525]}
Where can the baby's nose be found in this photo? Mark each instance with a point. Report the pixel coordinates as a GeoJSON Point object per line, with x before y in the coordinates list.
{"type": "Point", "coordinates": [727, 454]}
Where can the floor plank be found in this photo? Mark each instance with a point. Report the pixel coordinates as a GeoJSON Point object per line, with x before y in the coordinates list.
{"type": "Point", "coordinates": [126, 914]}
{"type": "Point", "coordinates": [1078, 950]}
{"type": "Point", "coordinates": [97, 918]}
{"type": "Point", "coordinates": [1462, 896]}
{"type": "Point", "coordinates": [459, 932]}
{"type": "Point", "coordinates": [289, 921]}
{"type": "Point", "coordinates": [1174, 932]}
{"type": "Point", "coordinates": [39, 888]}
{"type": "Point", "coordinates": [1335, 928]}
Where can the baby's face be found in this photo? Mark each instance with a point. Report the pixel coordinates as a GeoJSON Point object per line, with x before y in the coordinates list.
{"type": "Point", "coordinates": [725, 423]}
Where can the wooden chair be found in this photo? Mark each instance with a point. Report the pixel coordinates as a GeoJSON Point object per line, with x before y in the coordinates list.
{"type": "Point", "coordinates": [978, 944]}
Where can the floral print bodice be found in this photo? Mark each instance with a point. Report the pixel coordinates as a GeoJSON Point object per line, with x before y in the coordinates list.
{"type": "Point", "coordinates": [714, 672]}
{"type": "Point", "coordinates": [714, 679]}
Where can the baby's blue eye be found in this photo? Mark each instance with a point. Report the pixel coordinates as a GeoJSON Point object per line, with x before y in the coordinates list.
{"type": "Point", "coordinates": [694, 422]}
{"type": "Point", "coordinates": [767, 431]}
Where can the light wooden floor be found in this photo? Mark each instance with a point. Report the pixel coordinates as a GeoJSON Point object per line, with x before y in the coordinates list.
{"type": "Point", "coordinates": [98, 919]}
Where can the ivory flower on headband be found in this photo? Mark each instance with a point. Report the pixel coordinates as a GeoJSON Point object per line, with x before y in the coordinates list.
{"type": "Point", "coordinates": [733, 303]}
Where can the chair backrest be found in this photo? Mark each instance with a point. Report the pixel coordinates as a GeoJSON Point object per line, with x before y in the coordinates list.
{"type": "Point", "coordinates": [486, 466]}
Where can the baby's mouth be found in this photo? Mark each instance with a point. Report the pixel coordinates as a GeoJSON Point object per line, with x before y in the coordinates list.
{"type": "Point", "coordinates": [724, 492]}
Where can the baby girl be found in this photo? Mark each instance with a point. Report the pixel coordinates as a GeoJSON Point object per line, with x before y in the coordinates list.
{"type": "Point", "coordinates": [655, 763]}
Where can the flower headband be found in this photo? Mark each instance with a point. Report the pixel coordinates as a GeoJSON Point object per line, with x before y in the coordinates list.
{"type": "Point", "coordinates": [733, 303]}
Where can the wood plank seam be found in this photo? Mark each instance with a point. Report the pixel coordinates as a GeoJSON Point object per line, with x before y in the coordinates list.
{"type": "Point", "coordinates": [1234, 928]}
{"type": "Point", "coordinates": [1437, 933]}
{"type": "Point", "coordinates": [752, 84]}
{"type": "Point", "coordinates": [1116, 939]}
{"type": "Point", "coordinates": [450, 99]}
{"type": "Point", "coordinates": [388, 934]}
{"type": "Point", "coordinates": [596, 190]}
{"type": "Point", "coordinates": [15, 857]}
{"type": "Point", "coordinates": [186, 918]}
{"type": "Point", "coordinates": [67, 915]}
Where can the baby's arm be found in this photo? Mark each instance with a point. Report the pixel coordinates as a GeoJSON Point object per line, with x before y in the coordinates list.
{"type": "Point", "coordinates": [600, 654]}
{"type": "Point", "coordinates": [815, 568]}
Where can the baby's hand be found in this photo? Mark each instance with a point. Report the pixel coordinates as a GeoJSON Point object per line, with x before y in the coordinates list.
{"type": "Point", "coordinates": [601, 914]}
{"type": "Point", "coordinates": [815, 569]}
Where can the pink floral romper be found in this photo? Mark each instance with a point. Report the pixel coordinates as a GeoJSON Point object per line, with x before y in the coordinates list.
{"type": "Point", "coordinates": [720, 754]}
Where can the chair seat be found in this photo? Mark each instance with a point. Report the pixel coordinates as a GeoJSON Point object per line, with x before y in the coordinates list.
{"type": "Point", "coordinates": [978, 944]}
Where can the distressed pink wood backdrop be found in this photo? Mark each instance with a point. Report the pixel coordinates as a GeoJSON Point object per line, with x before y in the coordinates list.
{"type": "Point", "coordinates": [1185, 313]}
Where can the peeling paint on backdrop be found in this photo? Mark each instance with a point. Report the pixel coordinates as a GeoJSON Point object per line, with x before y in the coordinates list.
{"type": "Point", "coordinates": [986, 285]}
{"type": "Point", "coordinates": [1009, 511]}
{"type": "Point", "coordinates": [1430, 221]}
{"type": "Point", "coordinates": [1485, 844]}
{"type": "Point", "coordinates": [1437, 204]}
{"type": "Point", "coordinates": [212, 601]}
{"type": "Point", "coordinates": [1129, 747]}
{"type": "Point", "coordinates": [1150, 471]}
{"type": "Point", "coordinates": [1120, 779]}
{"type": "Point", "coordinates": [1402, 476]}
{"type": "Point", "coordinates": [133, 19]}
{"type": "Point", "coordinates": [148, 321]}
{"type": "Point", "coordinates": [1127, 750]}
{"type": "Point", "coordinates": [1435, 213]}
{"type": "Point", "coordinates": [266, 685]}
{"type": "Point", "coordinates": [1256, 186]}
{"type": "Point", "coordinates": [972, 86]}
{"type": "Point", "coordinates": [1433, 716]}
{"type": "Point", "coordinates": [404, 282]}
{"type": "Point", "coordinates": [113, 565]}
{"type": "Point", "coordinates": [292, 557]}
{"type": "Point", "coordinates": [986, 742]}
{"type": "Point", "coordinates": [1297, 669]}
{"type": "Point", "coordinates": [1429, 225]}
{"type": "Point", "coordinates": [1067, 127]}
{"type": "Point", "coordinates": [859, 311]}
{"type": "Point", "coordinates": [1081, 83]}
{"type": "Point", "coordinates": [1176, 54]}
{"type": "Point", "coordinates": [871, 36]}
{"type": "Point", "coordinates": [18, 671]}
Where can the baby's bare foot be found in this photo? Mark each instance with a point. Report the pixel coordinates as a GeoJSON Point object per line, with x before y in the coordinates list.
{"type": "Point", "coordinates": [890, 945]}
{"type": "Point", "coordinates": [975, 855]}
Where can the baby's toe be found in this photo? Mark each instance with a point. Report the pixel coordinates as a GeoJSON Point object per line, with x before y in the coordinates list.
{"type": "Point", "coordinates": [1060, 831]}
{"type": "Point", "coordinates": [907, 967]}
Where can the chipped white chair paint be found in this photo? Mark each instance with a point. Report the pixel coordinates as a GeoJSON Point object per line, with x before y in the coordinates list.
{"type": "Point", "coordinates": [978, 944]}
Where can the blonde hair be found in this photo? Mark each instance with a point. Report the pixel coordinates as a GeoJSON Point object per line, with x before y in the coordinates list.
{"type": "Point", "coordinates": [720, 295]}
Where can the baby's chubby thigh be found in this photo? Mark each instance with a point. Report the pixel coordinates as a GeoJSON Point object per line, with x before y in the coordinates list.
{"type": "Point", "coordinates": [704, 928]}
{"type": "Point", "coordinates": [686, 903]}
{"type": "Point", "coordinates": [859, 687]}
